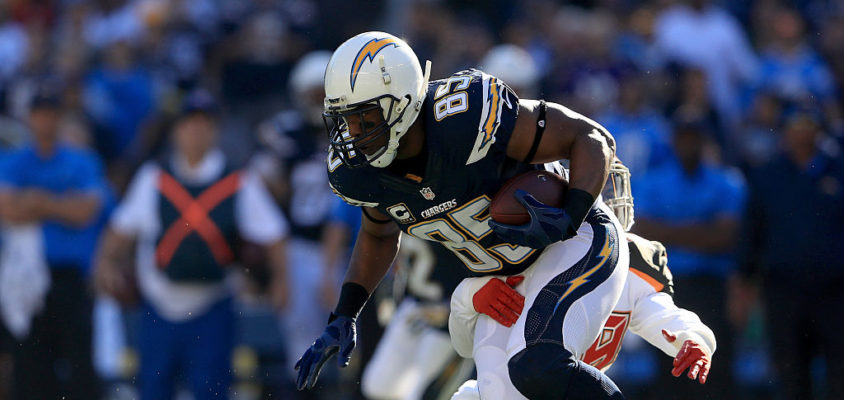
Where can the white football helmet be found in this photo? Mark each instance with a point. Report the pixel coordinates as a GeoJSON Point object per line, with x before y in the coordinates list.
{"type": "Point", "coordinates": [617, 194]}
{"type": "Point", "coordinates": [372, 71]}
{"type": "Point", "coordinates": [306, 83]}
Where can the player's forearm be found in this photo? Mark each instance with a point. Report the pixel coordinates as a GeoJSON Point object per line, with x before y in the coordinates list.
{"type": "Point", "coordinates": [371, 259]}
{"type": "Point", "coordinates": [76, 209]}
{"type": "Point", "coordinates": [590, 161]}
{"type": "Point", "coordinates": [15, 211]}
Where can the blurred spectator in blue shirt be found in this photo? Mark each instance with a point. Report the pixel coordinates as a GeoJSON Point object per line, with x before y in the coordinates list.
{"type": "Point", "coordinates": [694, 208]}
{"type": "Point", "coordinates": [793, 237]}
{"type": "Point", "coordinates": [641, 133]}
{"type": "Point", "coordinates": [692, 205]}
{"type": "Point", "coordinates": [63, 190]}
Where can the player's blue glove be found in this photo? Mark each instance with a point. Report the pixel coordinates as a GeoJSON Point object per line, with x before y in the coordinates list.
{"type": "Point", "coordinates": [339, 336]}
{"type": "Point", "coordinates": [547, 224]}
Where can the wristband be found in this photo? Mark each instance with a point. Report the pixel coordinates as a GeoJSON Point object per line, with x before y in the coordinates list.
{"type": "Point", "coordinates": [353, 296]}
{"type": "Point", "coordinates": [577, 205]}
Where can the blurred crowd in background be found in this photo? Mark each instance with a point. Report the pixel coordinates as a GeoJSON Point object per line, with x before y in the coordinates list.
{"type": "Point", "coordinates": [727, 113]}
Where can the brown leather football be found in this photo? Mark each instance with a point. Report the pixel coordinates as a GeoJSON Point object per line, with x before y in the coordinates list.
{"type": "Point", "coordinates": [547, 187]}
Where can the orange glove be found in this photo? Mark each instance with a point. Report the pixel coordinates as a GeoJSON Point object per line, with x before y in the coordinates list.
{"type": "Point", "coordinates": [691, 356]}
{"type": "Point", "coordinates": [500, 301]}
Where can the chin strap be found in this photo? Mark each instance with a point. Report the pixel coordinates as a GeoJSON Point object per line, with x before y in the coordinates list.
{"type": "Point", "coordinates": [423, 89]}
{"type": "Point", "coordinates": [388, 156]}
{"type": "Point", "coordinates": [425, 78]}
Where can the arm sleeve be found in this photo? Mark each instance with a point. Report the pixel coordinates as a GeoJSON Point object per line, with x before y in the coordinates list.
{"type": "Point", "coordinates": [134, 215]}
{"type": "Point", "coordinates": [463, 317]}
{"type": "Point", "coordinates": [259, 220]}
{"type": "Point", "coordinates": [654, 312]}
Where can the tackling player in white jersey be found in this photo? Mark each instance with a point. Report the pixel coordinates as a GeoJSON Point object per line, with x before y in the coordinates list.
{"type": "Point", "coordinates": [646, 308]}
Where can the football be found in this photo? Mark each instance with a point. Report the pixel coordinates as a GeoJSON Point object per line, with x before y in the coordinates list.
{"type": "Point", "coordinates": [547, 187]}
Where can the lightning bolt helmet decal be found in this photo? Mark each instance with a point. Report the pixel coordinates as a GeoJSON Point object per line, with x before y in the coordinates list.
{"type": "Point", "coordinates": [368, 51]}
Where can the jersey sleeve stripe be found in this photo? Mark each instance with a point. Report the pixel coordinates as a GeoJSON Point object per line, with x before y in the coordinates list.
{"type": "Point", "coordinates": [494, 100]}
{"type": "Point", "coordinates": [647, 278]}
{"type": "Point", "coordinates": [490, 118]}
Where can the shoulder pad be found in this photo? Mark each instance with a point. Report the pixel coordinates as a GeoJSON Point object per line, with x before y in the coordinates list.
{"type": "Point", "coordinates": [474, 111]}
{"type": "Point", "coordinates": [358, 188]}
{"type": "Point", "coordinates": [350, 201]}
{"type": "Point", "coordinates": [649, 261]}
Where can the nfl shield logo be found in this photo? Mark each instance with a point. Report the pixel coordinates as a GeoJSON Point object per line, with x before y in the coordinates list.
{"type": "Point", "coordinates": [427, 193]}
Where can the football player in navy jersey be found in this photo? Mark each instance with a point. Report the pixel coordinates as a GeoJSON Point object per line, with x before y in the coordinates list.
{"type": "Point", "coordinates": [425, 159]}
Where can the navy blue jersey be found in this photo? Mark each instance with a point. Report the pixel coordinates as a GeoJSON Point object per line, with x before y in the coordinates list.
{"type": "Point", "coordinates": [468, 120]}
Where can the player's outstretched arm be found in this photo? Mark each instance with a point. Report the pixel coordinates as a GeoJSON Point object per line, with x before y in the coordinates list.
{"type": "Point", "coordinates": [375, 249]}
{"type": "Point", "coordinates": [676, 331]}
{"type": "Point", "coordinates": [374, 252]}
